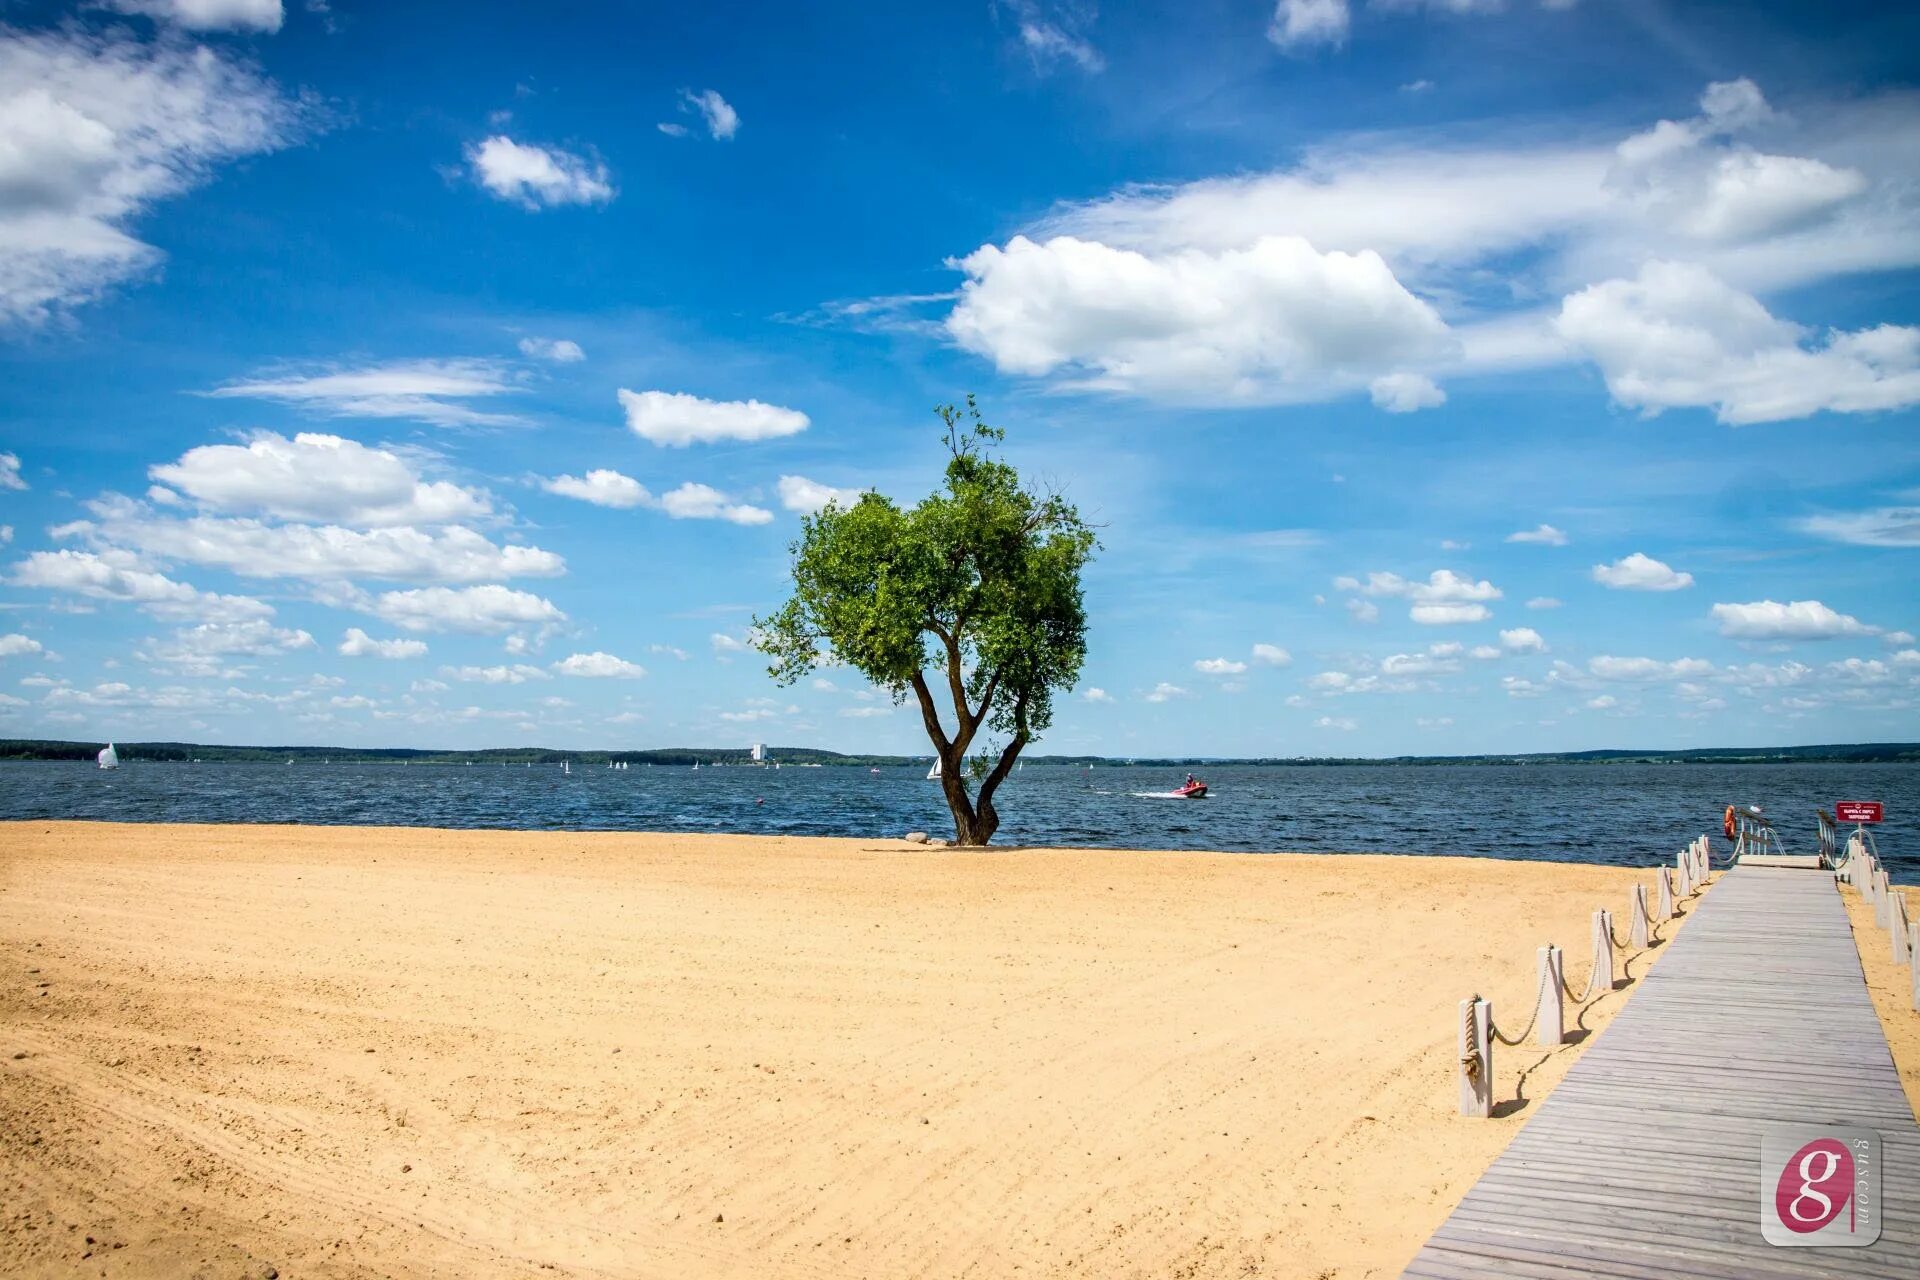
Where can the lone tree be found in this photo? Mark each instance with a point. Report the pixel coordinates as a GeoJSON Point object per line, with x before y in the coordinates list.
{"type": "Point", "coordinates": [976, 591]}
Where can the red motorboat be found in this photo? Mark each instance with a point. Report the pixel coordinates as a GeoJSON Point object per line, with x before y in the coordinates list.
{"type": "Point", "coordinates": [1194, 790]}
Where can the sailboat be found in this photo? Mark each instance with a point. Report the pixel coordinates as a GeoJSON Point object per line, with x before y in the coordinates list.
{"type": "Point", "coordinates": [108, 757]}
{"type": "Point", "coordinates": [934, 773]}
{"type": "Point", "coordinates": [565, 767]}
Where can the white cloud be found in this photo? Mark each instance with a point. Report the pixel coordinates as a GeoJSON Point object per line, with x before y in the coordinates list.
{"type": "Point", "coordinates": [1445, 615]}
{"type": "Point", "coordinates": [10, 472]}
{"type": "Point", "coordinates": [12, 646]}
{"type": "Point", "coordinates": [209, 15]}
{"type": "Point", "coordinates": [1518, 687]}
{"type": "Point", "coordinates": [799, 494]}
{"type": "Point", "coordinates": [254, 637]}
{"type": "Point", "coordinates": [83, 573]}
{"type": "Point", "coordinates": [600, 666]}
{"type": "Point", "coordinates": [1054, 36]}
{"type": "Point", "coordinates": [1543, 602]}
{"type": "Point", "coordinates": [1874, 527]}
{"type": "Point", "coordinates": [602, 488]}
{"type": "Point", "coordinates": [1522, 640]}
{"type": "Point", "coordinates": [519, 673]}
{"type": "Point", "coordinates": [1445, 599]}
{"type": "Point", "coordinates": [1219, 667]}
{"type": "Point", "coordinates": [721, 119]}
{"type": "Point", "coordinates": [676, 419]}
{"type": "Point", "coordinates": [1897, 639]}
{"type": "Point", "coordinates": [724, 643]}
{"type": "Point", "coordinates": [1544, 535]}
{"type": "Point", "coordinates": [358, 644]}
{"type": "Point", "coordinates": [1485, 652]}
{"type": "Point", "coordinates": [1345, 724]}
{"type": "Point", "coordinates": [1299, 23]}
{"type": "Point", "coordinates": [558, 350]}
{"type": "Point", "coordinates": [317, 477]}
{"type": "Point", "coordinates": [538, 177]}
{"type": "Point", "coordinates": [1406, 393]}
{"type": "Point", "coordinates": [1603, 702]}
{"type": "Point", "coordinates": [420, 390]}
{"type": "Point", "coordinates": [1800, 620]}
{"type": "Point", "coordinates": [1676, 336]}
{"type": "Point", "coordinates": [1271, 655]}
{"type": "Point", "coordinates": [486, 610]}
{"type": "Point", "coordinates": [1274, 321]}
{"type": "Point", "coordinates": [1609, 667]}
{"type": "Point", "coordinates": [315, 553]}
{"type": "Point", "coordinates": [703, 502]}
{"type": "Point", "coordinates": [1639, 572]}
{"type": "Point", "coordinates": [1096, 694]}
{"type": "Point", "coordinates": [1363, 610]}
{"type": "Point", "coordinates": [98, 129]}
{"type": "Point", "coordinates": [1165, 692]}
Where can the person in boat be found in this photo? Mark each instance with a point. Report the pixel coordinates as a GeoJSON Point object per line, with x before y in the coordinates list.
{"type": "Point", "coordinates": [1191, 780]}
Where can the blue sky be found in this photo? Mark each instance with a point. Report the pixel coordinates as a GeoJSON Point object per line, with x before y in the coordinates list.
{"type": "Point", "coordinates": [1454, 376]}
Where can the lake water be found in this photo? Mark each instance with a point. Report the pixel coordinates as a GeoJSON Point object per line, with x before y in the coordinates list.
{"type": "Point", "coordinates": [1619, 814]}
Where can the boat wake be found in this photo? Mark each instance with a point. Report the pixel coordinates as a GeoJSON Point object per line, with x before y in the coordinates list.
{"type": "Point", "coordinates": [1162, 795]}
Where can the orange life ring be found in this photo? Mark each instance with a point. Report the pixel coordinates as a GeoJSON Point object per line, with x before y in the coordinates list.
{"type": "Point", "coordinates": [1726, 823]}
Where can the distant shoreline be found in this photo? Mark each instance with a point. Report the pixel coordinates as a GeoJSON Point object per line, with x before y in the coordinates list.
{"type": "Point", "coordinates": [27, 749]}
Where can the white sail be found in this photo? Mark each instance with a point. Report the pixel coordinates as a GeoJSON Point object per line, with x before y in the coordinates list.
{"type": "Point", "coordinates": [934, 773]}
{"type": "Point", "coordinates": [109, 758]}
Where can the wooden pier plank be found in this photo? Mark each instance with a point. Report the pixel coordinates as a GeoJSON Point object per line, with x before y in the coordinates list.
{"type": "Point", "coordinates": [1645, 1162]}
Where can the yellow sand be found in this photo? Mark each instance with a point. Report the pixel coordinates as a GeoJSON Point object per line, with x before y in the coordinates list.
{"type": "Point", "coordinates": [353, 1052]}
{"type": "Point", "coordinates": [1891, 986]}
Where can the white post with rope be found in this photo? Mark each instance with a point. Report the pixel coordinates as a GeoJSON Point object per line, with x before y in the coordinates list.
{"type": "Point", "coordinates": [1665, 882]}
{"type": "Point", "coordinates": [1476, 1057]}
{"type": "Point", "coordinates": [1913, 945]}
{"type": "Point", "coordinates": [1602, 953]}
{"type": "Point", "coordinates": [1637, 931]}
{"type": "Point", "coordinates": [1897, 927]}
{"type": "Point", "coordinates": [1881, 893]}
{"type": "Point", "coordinates": [1550, 1024]}
{"type": "Point", "coordinates": [1680, 864]}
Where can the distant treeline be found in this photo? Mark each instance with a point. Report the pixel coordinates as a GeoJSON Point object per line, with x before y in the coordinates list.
{"type": "Point", "coordinates": [41, 749]}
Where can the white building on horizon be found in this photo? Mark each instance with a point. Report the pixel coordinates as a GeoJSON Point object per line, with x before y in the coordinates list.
{"type": "Point", "coordinates": [759, 752]}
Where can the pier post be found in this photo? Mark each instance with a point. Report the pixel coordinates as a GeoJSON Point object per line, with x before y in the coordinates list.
{"type": "Point", "coordinates": [1665, 883]}
{"type": "Point", "coordinates": [1476, 1057]}
{"type": "Point", "coordinates": [1913, 946]}
{"type": "Point", "coordinates": [1602, 952]}
{"type": "Point", "coordinates": [1897, 927]}
{"type": "Point", "coordinates": [1637, 931]}
{"type": "Point", "coordinates": [1881, 892]}
{"type": "Point", "coordinates": [1550, 1027]}
{"type": "Point", "coordinates": [1681, 865]}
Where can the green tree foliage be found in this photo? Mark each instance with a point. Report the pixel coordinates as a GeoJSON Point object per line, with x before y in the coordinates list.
{"type": "Point", "coordinates": [975, 592]}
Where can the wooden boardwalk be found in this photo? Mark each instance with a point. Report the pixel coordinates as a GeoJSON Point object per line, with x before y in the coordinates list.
{"type": "Point", "coordinates": [1645, 1162]}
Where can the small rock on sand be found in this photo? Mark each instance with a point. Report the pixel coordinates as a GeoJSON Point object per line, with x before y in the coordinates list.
{"type": "Point", "coordinates": [915, 837]}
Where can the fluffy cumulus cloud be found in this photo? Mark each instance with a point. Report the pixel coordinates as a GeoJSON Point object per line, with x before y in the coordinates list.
{"type": "Point", "coordinates": [703, 502]}
{"type": "Point", "coordinates": [1166, 692]}
{"type": "Point", "coordinates": [1274, 321]}
{"type": "Point", "coordinates": [1522, 640]}
{"type": "Point", "coordinates": [1639, 670]}
{"type": "Point", "coordinates": [519, 673]}
{"type": "Point", "coordinates": [97, 129]}
{"type": "Point", "coordinates": [1301, 24]}
{"type": "Point", "coordinates": [117, 577]}
{"type": "Point", "coordinates": [1675, 336]}
{"type": "Point", "coordinates": [602, 488]}
{"type": "Point", "coordinates": [16, 645]}
{"type": "Point", "coordinates": [431, 391]}
{"type": "Point", "coordinates": [535, 177]}
{"type": "Point", "coordinates": [256, 548]}
{"type": "Point", "coordinates": [358, 644]}
{"type": "Point", "coordinates": [1271, 655]}
{"type": "Point", "coordinates": [1445, 598]}
{"type": "Point", "coordinates": [321, 478]}
{"type": "Point", "coordinates": [1219, 666]}
{"type": "Point", "coordinates": [1798, 620]}
{"type": "Point", "coordinates": [1096, 694]}
{"type": "Point", "coordinates": [209, 15]}
{"type": "Point", "coordinates": [10, 472]}
{"type": "Point", "coordinates": [804, 496]}
{"type": "Point", "coordinates": [1405, 393]}
{"type": "Point", "coordinates": [1640, 572]}
{"type": "Point", "coordinates": [558, 350]}
{"type": "Point", "coordinates": [676, 419]}
{"type": "Point", "coordinates": [485, 610]}
{"type": "Point", "coordinates": [599, 666]}
{"type": "Point", "coordinates": [1544, 535]}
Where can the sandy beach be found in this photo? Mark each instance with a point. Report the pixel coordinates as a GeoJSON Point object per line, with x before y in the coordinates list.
{"type": "Point", "coordinates": [344, 1052]}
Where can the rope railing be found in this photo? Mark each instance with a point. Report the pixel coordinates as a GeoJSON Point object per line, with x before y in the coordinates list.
{"type": "Point", "coordinates": [1477, 1030]}
{"type": "Point", "coordinates": [1862, 871]}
